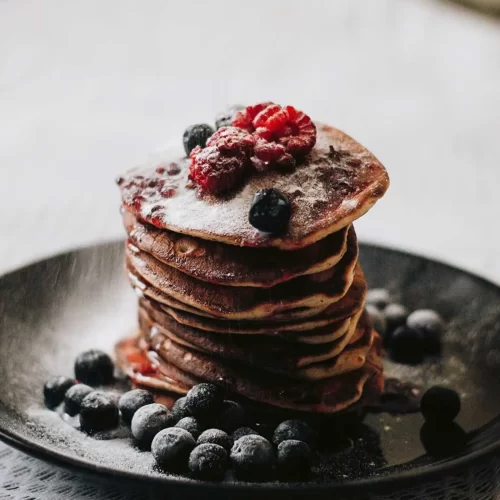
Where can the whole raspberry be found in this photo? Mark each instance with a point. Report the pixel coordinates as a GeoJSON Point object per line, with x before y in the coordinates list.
{"type": "Point", "coordinates": [244, 119]}
{"type": "Point", "coordinates": [272, 153]}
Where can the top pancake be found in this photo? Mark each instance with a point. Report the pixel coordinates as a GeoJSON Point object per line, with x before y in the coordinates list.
{"type": "Point", "coordinates": [337, 183]}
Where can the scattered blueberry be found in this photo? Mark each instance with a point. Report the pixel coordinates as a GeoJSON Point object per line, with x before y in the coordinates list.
{"type": "Point", "coordinates": [148, 421]}
{"type": "Point", "coordinates": [171, 448]}
{"type": "Point", "coordinates": [378, 297]}
{"type": "Point", "coordinates": [293, 429]}
{"type": "Point", "coordinates": [378, 318]}
{"type": "Point", "coordinates": [94, 367]}
{"type": "Point", "coordinates": [294, 459]}
{"type": "Point", "coordinates": [54, 390]}
{"type": "Point", "coordinates": [132, 400]}
{"type": "Point", "coordinates": [441, 440]}
{"type": "Point", "coordinates": [395, 316]}
{"type": "Point", "coordinates": [98, 413]}
{"type": "Point", "coordinates": [407, 345]}
{"type": "Point", "coordinates": [208, 461]}
{"type": "Point", "coordinates": [74, 397]}
{"type": "Point", "coordinates": [180, 410]}
{"type": "Point", "coordinates": [225, 118]}
{"type": "Point", "coordinates": [440, 404]}
{"type": "Point", "coordinates": [231, 416]}
{"type": "Point", "coordinates": [270, 211]}
{"type": "Point", "coordinates": [244, 431]}
{"type": "Point", "coordinates": [196, 135]}
{"type": "Point", "coordinates": [191, 425]}
{"type": "Point", "coordinates": [431, 325]}
{"type": "Point", "coordinates": [216, 436]}
{"type": "Point", "coordinates": [253, 458]}
{"type": "Point", "coordinates": [205, 400]}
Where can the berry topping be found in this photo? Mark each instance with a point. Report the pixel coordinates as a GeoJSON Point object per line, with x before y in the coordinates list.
{"type": "Point", "coordinates": [205, 400]}
{"type": "Point", "coordinates": [377, 317]}
{"type": "Point", "coordinates": [253, 457]}
{"type": "Point", "coordinates": [270, 211]}
{"type": "Point", "coordinates": [208, 461]}
{"type": "Point", "coordinates": [231, 416]}
{"type": "Point", "coordinates": [431, 325]}
{"type": "Point", "coordinates": [98, 412]}
{"type": "Point", "coordinates": [441, 440]}
{"type": "Point", "coordinates": [196, 135]}
{"type": "Point", "coordinates": [148, 421]}
{"type": "Point", "coordinates": [281, 124]}
{"type": "Point", "coordinates": [131, 401]}
{"type": "Point", "coordinates": [74, 397]}
{"type": "Point", "coordinates": [293, 429]}
{"type": "Point", "coordinates": [224, 118]}
{"type": "Point", "coordinates": [216, 436]}
{"type": "Point", "coordinates": [54, 390]}
{"type": "Point", "coordinates": [171, 448]}
{"type": "Point", "coordinates": [440, 404]}
{"type": "Point", "coordinates": [180, 410]}
{"type": "Point", "coordinates": [379, 297]}
{"type": "Point", "coordinates": [294, 459]}
{"type": "Point", "coordinates": [244, 431]}
{"type": "Point", "coordinates": [94, 367]}
{"type": "Point", "coordinates": [191, 425]}
{"type": "Point", "coordinates": [407, 345]}
{"type": "Point", "coordinates": [266, 153]}
{"type": "Point", "coordinates": [395, 315]}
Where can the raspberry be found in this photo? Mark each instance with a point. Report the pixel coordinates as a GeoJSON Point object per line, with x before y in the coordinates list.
{"type": "Point", "coordinates": [271, 152]}
{"type": "Point", "coordinates": [244, 119]}
{"type": "Point", "coordinates": [232, 139]}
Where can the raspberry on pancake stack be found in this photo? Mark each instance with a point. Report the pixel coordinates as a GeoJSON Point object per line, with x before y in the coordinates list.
{"type": "Point", "coordinates": [245, 262]}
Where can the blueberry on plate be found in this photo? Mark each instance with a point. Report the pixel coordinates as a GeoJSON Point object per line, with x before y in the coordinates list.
{"type": "Point", "coordinates": [216, 436]}
{"type": "Point", "coordinates": [171, 448]}
{"type": "Point", "coordinates": [180, 410]}
{"type": "Point", "coordinates": [293, 429]}
{"type": "Point", "coordinates": [74, 397]}
{"type": "Point", "coordinates": [54, 390]}
{"type": "Point", "coordinates": [442, 440]}
{"type": "Point", "coordinates": [378, 297]}
{"type": "Point", "coordinates": [440, 404]}
{"type": "Point", "coordinates": [191, 425]}
{"type": "Point", "coordinates": [407, 345]}
{"type": "Point", "coordinates": [132, 400]}
{"type": "Point", "coordinates": [270, 211]}
{"type": "Point", "coordinates": [395, 316]}
{"type": "Point", "coordinates": [431, 325]}
{"type": "Point", "coordinates": [196, 135]}
{"type": "Point", "coordinates": [244, 431]}
{"type": "Point", "coordinates": [377, 317]}
{"type": "Point", "coordinates": [208, 461]}
{"type": "Point", "coordinates": [94, 367]}
{"type": "Point", "coordinates": [253, 458]}
{"type": "Point", "coordinates": [205, 400]}
{"type": "Point", "coordinates": [231, 417]}
{"type": "Point", "coordinates": [98, 413]}
{"type": "Point", "coordinates": [148, 421]}
{"type": "Point", "coordinates": [294, 459]}
{"type": "Point", "coordinates": [225, 118]}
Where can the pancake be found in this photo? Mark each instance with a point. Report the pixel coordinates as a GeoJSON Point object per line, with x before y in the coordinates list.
{"type": "Point", "coordinates": [315, 291]}
{"type": "Point", "coordinates": [235, 266]}
{"type": "Point", "coordinates": [338, 182]}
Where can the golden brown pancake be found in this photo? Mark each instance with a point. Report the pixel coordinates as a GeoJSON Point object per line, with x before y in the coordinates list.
{"type": "Point", "coordinates": [338, 182]}
{"type": "Point", "coordinates": [223, 264]}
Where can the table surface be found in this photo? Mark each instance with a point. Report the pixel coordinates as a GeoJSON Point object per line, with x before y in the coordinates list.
{"type": "Point", "coordinates": [88, 89]}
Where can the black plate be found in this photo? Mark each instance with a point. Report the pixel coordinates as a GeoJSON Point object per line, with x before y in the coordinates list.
{"type": "Point", "coordinates": [54, 309]}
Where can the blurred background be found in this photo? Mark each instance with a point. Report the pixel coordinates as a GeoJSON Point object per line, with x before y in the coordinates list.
{"type": "Point", "coordinates": [88, 89]}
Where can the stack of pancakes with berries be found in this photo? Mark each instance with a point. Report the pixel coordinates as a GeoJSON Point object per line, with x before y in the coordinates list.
{"type": "Point", "coordinates": [245, 262]}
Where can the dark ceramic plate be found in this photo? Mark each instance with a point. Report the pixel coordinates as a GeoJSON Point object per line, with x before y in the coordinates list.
{"type": "Point", "coordinates": [52, 310]}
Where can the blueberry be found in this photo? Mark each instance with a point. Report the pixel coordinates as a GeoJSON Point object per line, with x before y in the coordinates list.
{"type": "Point", "coordinates": [441, 440]}
{"type": "Point", "coordinates": [378, 297]}
{"type": "Point", "coordinates": [440, 404]}
{"type": "Point", "coordinates": [293, 429]}
{"type": "Point", "coordinates": [395, 316]}
{"type": "Point", "coordinates": [54, 390]}
{"type": "Point", "coordinates": [171, 448]}
{"type": "Point", "coordinates": [244, 431]}
{"type": "Point", "coordinates": [94, 367]}
{"type": "Point", "coordinates": [131, 401]}
{"type": "Point", "coordinates": [216, 436]}
{"type": "Point", "coordinates": [431, 325]}
{"type": "Point", "coordinates": [196, 135]}
{"type": "Point", "coordinates": [208, 461]}
{"type": "Point", "coordinates": [407, 345]}
{"type": "Point", "coordinates": [148, 421]}
{"type": "Point", "coordinates": [224, 118]}
{"type": "Point", "coordinates": [191, 425]}
{"type": "Point", "coordinates": [378, 318]}
{"type": "Point", "coordinates": [294, 459]}
{"type": "Point", "coordinates": [270, 211]}
{"type": "Point", "coordinates": [74, 397]}
{"type": "Point", "coordinates": [98, 412]}
{"type": "Point", "coordinates": [253, 457]}
{"type": "Point", "coordinates": [231, 416]}
{"type": "Point", "coordinates": [204, 400]}
{"type": "Point", "coordinates": [180, 410]}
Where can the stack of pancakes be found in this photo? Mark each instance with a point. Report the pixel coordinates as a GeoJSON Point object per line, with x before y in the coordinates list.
{"type": "Point", "coordinates": [278, 320]}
